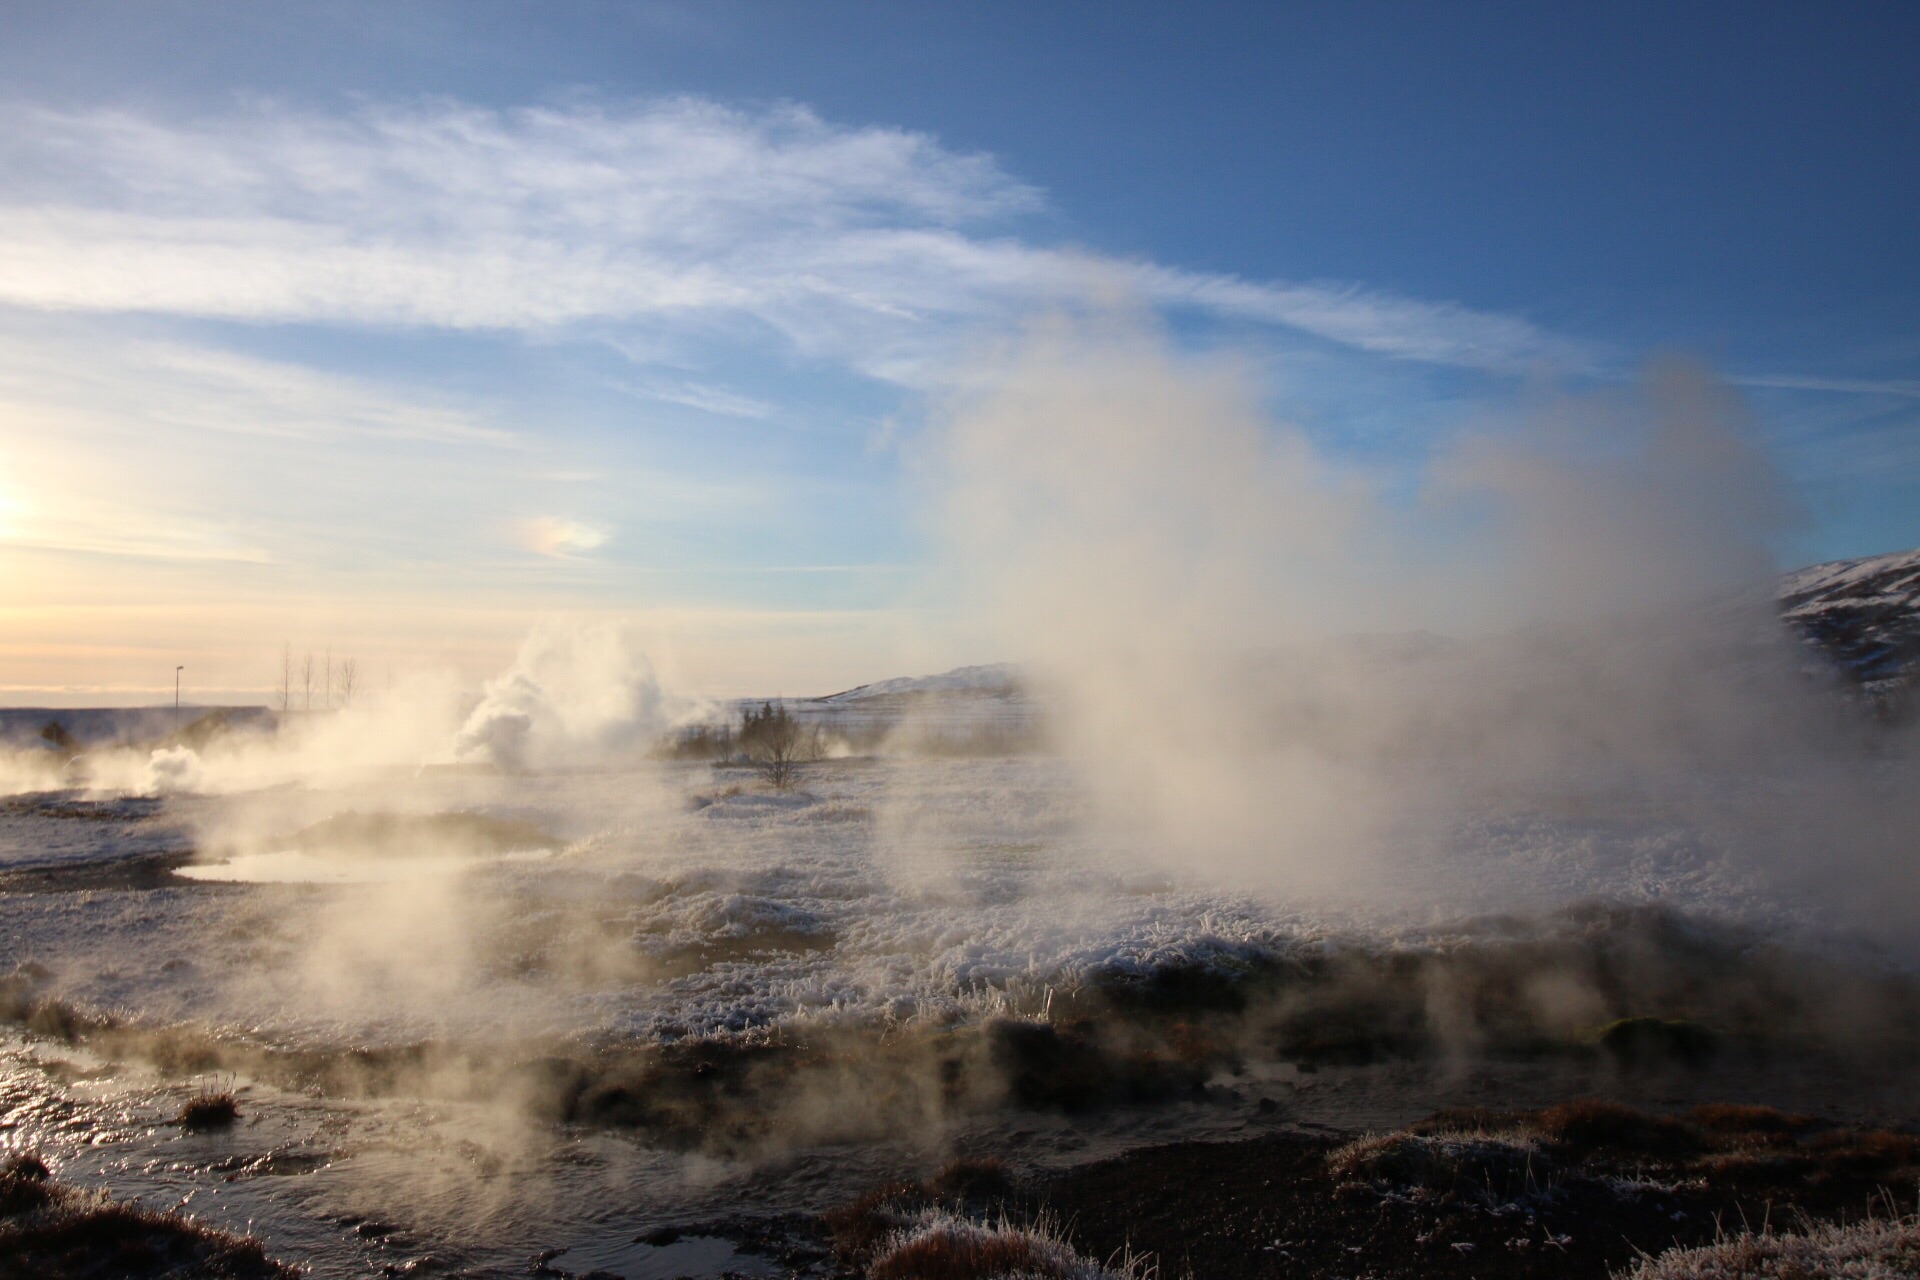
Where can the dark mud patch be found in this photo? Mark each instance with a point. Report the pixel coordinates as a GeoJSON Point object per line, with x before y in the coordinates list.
{"type": "Point", "coordinates": [1621, 995]}
{"type": "Point", "coordinates": [1643, 988]}
{"type": "Point", "coordinates": [55, 1232]}
{"type": "Point", "coordinates": [147, 871]}
{"type": "Point", "coordinates": [722, 1249]}
{"type": "Point", "coordinates": [743, 1096]}
{"type": "Point", "coordinates": [1577, 1190]}
{"type": "Point", "coordinates": [736, 1095]}
{"type": "Point", "coordinates": [67, 805]}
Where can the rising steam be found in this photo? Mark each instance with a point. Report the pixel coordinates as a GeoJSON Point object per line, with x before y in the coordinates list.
{"type": "Point", "coordinates": [1270, 669]}
{"type": "Point", "coordinates": [574, 696]}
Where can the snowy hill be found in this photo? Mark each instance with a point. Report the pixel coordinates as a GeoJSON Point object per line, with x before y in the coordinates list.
{"type": "Point", "coordinates": [996, 679]}
{"type": "Point", "coordinates": [1863, 614]}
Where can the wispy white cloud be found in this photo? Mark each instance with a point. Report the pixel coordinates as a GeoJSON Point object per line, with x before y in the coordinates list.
{"type": "Point", "coordinates": [1434, 332]}
{"type": "Point", "coordinates": [860, 245]}
{"type": "Point", "coordinates": [1904, 389]}
{"type": "Point", "coordinates": [199, 389]}
{"type": "Point", "coordinates": [227, 392]}
{"type": "Point", "coordinates": [706, 398]}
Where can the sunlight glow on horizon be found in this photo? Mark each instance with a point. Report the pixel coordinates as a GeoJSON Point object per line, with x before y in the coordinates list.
{"type": "Point", "coordinates": [406, 365]}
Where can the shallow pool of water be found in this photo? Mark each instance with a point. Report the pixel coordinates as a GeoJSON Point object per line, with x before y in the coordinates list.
{"type": "Point", "coordinates": [298, 866]}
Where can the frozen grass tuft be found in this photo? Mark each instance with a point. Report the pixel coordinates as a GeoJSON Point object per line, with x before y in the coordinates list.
{"type": "Point", "coordinates": [1499, 1165]}
{"type": "Point", "coordinates": [209, 1110]}
{"type": "Point", "coordinates": [941, 1246]}
{"type": "Point", "coordinates": [1875, 1249]}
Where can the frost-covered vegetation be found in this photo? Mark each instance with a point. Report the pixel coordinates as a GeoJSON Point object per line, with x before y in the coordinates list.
{"type": "Point", "coordinates": [51, 1231]}
{"type": "Point", "coordinates": [944, 1246]}
{"type": "Point", "coordinates": [1870, 1249]}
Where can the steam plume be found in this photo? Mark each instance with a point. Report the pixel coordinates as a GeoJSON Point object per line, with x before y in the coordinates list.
{"type": "Point", "coordinates": [1239, 634]}
{"type": "Point", "coordinates": [574, 695]}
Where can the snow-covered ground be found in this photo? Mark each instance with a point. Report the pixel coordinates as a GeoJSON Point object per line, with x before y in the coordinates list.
{"type": "Point", "coordinates": [1865, 613]}
{"type": "Point", "coordinates": [684, 898]}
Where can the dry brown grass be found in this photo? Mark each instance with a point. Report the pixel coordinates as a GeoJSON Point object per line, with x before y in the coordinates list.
{"type": "Point", "coordinates": [941, 1246]}
{"type": "Point", "coordinates": [1873, 1151]}
{"type": "Point", "coordinates": [1876, 1249]}
{"type": "Point", "coordinates": [1589, 1124]}
{"type": "Point", "coordinates": [207, 1111]}
{"type": "Point", "coordinates": [1495, 1166]}
{"type": "Point", "coordinates": [54, 1232]}
{"type": "Point", "coordinates": [1737, 1119]}
{"type": "Point", "coordinates": [951, 1255]}
{"type": "Point", "coordinates": [24, 1185]}
{"type": "Point", "coordinates": [859, 1228]}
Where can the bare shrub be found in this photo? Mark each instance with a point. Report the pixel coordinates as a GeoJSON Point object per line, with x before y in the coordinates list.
{"type": "Point", "coordinates": [773, 740]}
{"type": "Point", "coordinates": [698, 742]}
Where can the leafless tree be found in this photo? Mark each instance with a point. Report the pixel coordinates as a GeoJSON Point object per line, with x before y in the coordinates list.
{"type": "Point", "coordinates": [349, 673]}
{"type": "Point", "coordinates": [772, 740]}
{"type": "Point", "coordinates": [327, 701]}
{"type": "Point", "coordinates": [306, 681]}
{"type": "Point", "coordinates": [286, 678]}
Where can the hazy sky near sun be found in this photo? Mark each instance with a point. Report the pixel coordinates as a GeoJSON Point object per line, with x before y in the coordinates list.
{"type": "Point", "coordinates": [393, 327]}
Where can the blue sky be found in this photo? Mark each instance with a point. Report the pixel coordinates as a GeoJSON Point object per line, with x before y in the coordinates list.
{"type": "Point", "coordinates": [393, 326]}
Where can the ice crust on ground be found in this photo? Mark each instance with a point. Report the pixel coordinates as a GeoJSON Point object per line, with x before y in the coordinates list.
{"type": "Point", "coordinates": [682, 905]}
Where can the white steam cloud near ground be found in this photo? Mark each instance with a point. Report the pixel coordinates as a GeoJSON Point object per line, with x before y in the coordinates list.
{"type": "Point", "coordinates": [1267, 667]}
{"type": "Point", "coordinates": [1289, 710]}
{"type": "Point", "coordinates": [1237, 635]}
{"type": "Point", "coordinates": [574, 697]}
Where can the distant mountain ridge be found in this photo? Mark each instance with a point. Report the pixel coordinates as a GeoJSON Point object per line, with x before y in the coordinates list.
{"type": "Point", "coordinates": [993, 679]}
{"type": "Point", "coordinates": [1861, 615]}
